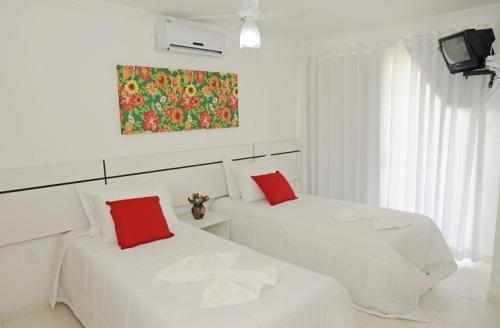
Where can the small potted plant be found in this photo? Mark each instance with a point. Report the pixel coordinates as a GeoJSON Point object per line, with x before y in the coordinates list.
{"type": "Point", "coordinates": [197, 200]}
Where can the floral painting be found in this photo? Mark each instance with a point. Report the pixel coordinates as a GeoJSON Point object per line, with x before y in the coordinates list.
{"type": "Point", "coordinates": [166, 99]}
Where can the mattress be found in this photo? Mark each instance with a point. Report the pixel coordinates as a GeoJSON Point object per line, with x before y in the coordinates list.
{"type": "Point", "coordinates": [385, 271]}
{"type": "Point", "coordinates": [107, 287]}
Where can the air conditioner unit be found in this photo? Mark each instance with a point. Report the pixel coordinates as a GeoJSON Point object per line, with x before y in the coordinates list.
{"type": "Point", "coordinates": [180, 37]}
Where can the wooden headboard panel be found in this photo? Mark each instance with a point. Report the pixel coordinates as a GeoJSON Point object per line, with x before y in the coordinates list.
{"type": "Point", "coordinates": [41, 201]}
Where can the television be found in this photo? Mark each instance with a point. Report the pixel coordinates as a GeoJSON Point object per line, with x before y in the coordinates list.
{"type": "Point", "coordinates": [467, 50]}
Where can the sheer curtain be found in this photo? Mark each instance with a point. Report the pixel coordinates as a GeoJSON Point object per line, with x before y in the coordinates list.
{"type": "Point", "coordinates": [389, 125]}
{"type": "Point", "coordinates": [432, 141]}
{"type": "Point", "coordinates": [340, 103]}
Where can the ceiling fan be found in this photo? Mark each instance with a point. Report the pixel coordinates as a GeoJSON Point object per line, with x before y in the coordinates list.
{"type": "Point", "coordinates": [249, 13]}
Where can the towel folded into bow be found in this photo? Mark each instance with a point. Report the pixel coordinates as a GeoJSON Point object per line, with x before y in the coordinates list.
{"type": "Point", "coordinates": [226, 287]}
{"type": "Point", "coordinates": [381, 218]}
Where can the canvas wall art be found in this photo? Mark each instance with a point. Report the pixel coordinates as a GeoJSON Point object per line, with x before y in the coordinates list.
{"type": "Point", "coordinates": [168, 99]}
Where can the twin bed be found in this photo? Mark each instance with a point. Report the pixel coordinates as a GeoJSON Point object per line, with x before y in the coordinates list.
{"type": "Point", "coordinates": [386, 271]}
{"type": "Point", "coordinates": [107, 287]}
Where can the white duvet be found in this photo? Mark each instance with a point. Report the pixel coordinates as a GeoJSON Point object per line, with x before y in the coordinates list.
{"type": "Point", "coordinates": [385, 271]}
{"type": "Point", "coordinates": [111, 288]}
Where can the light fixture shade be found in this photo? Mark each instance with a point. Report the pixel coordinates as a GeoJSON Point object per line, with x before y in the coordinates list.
{"type": "Point", "coordinates": [249, 35]}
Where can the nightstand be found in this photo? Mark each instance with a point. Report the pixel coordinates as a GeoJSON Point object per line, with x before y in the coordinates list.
{"type": "Point", "coordinates": [213, 222]}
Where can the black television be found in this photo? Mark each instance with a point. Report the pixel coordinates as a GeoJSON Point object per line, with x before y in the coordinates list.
{"type": "Point", "coordinates": [467, 50]}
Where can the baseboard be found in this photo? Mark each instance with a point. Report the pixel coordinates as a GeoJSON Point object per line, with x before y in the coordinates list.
{"type": "Point", "coordinates": [9, 316]}
{"type": "Point", "coordinates": [493, 299]}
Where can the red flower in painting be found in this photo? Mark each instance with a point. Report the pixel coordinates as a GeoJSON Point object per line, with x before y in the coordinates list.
{"type": "Point", "coordinates": [233, 103]}
{"type": "Point", "coordinates": [234, 79]}
{"type": "Point", "coordinates": [161, 80]}
{"type": "Point", "coordinates": [194, 102]}
{"type": "Point", "coordinates": [177, 116]}
{"type": "Point", "coordinates": [225, 114]}
{"type": "Point", "coordinates": [176, 83]}
{"type": "Point", "coordinates": [186, 103]}
{"type": "Point", "coordinates": [200, 77]}
{"type": "Point", "coordinates": [205, 119]}
{"type": "Point", "coordinates": [128, 72]}
{"type": "Point", "coordinates": [143, 72]}
{"type": "Point", "coordinates": [225, 86]}
{"type": "Point", "coordinates": [126, 100]}
{"type": "Point", "coordinates": [137, 100]}
{"type": "Point", "coordinates": [214, 83]}
{"type": "Point", "coordinates": [222, 99]}
{"type": "Point", "coordinates": [188, 76]}
{"type": "Point", "coordinates": [151, 121]}
{"type": "Point", "coordinates": [167, 111]}
{"type": "Point", "coordinates": [172, 97]}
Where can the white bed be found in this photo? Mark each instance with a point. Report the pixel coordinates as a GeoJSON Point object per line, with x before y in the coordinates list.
{"type": "Point", "coordinates": [111, 288]}
{"type": "Point", "coordinates": [385, 271]}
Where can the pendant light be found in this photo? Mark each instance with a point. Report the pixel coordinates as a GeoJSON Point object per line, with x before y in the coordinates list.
{"type": "Point", "coordinates": [249, 35]}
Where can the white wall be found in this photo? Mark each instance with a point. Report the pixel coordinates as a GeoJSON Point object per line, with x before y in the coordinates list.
{"type": "Point", "coordinates": [58, 103]}
{"type": "Point", "coordinates": [58, 84]}
{"type": "Point", "coordinates": [25, 272]}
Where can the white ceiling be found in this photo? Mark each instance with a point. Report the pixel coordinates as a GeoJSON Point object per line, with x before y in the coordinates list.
{"type": "Point", "coordinates": [320, 16]}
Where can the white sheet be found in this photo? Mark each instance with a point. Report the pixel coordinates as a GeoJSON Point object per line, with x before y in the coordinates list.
{"type": "Point", "coordinates": [111, 288]}
{"type": "Point", "coordinates": [385, 271]}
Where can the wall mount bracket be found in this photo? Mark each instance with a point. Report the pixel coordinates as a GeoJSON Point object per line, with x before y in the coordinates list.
{"type": "Point", "coordinates": [491, 73]}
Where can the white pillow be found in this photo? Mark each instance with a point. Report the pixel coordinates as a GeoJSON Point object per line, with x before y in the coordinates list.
{"type": "Point", "coordinates": [249, 190]}
{"type": "Point", "coordinates": [230, 168]}
{"type": "Point", "coordinates": [85, 193]}
{"type": "Point", "coordinates": [232, 185]}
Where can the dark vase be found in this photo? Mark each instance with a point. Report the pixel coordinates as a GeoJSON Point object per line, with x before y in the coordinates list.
{"type": "Point", "coordinates": [198, 212]}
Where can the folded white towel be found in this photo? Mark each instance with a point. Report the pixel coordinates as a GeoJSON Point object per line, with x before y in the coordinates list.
{"type": "Point", "coordinates": [226, 287]}
{"type": "Point", "coordinates": [380, 218]}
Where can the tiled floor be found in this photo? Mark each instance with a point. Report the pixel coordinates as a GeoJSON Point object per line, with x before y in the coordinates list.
{"type": "Point", "coordinates": [61, 317]}
{"type": "Point", "coordinates": [458, 302]}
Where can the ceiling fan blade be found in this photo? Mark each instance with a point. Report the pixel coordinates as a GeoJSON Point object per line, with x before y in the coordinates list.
{"type": "Point", "coordinates": [265, 16]}
{"type": "Point", "coordinates": [214, 17]}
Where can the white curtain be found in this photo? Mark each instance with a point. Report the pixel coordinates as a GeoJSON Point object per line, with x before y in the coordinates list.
{"type": "Point", "coordinates": [389, 125]}
{"type": "Point", "coordinates": [341, 123]}
{"type": "Point", "coordinates": [432, 141]}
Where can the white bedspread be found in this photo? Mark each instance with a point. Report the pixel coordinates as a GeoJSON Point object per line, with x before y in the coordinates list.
{"type": "Point", "coordinates": [111, 288]}
{"type": "Point", "coordinates": [385, 271]}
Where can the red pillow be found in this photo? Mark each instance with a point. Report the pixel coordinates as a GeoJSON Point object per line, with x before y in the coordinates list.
{"type": "Point", "coordinates": [275, 187]}
{"type": "Point", "coordinates": [139, 221]}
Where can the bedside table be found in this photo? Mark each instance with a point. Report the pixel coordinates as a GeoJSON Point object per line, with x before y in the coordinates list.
{"type": "Point", "coordinates": [213, 222]}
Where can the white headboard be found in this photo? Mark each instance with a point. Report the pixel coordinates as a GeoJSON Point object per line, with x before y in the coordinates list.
{"type": "Point", "coordinates": [41, 201]}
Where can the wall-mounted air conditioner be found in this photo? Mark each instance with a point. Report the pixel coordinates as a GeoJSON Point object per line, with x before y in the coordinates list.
{"type": "Point", "coordinates": [174, 36]}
